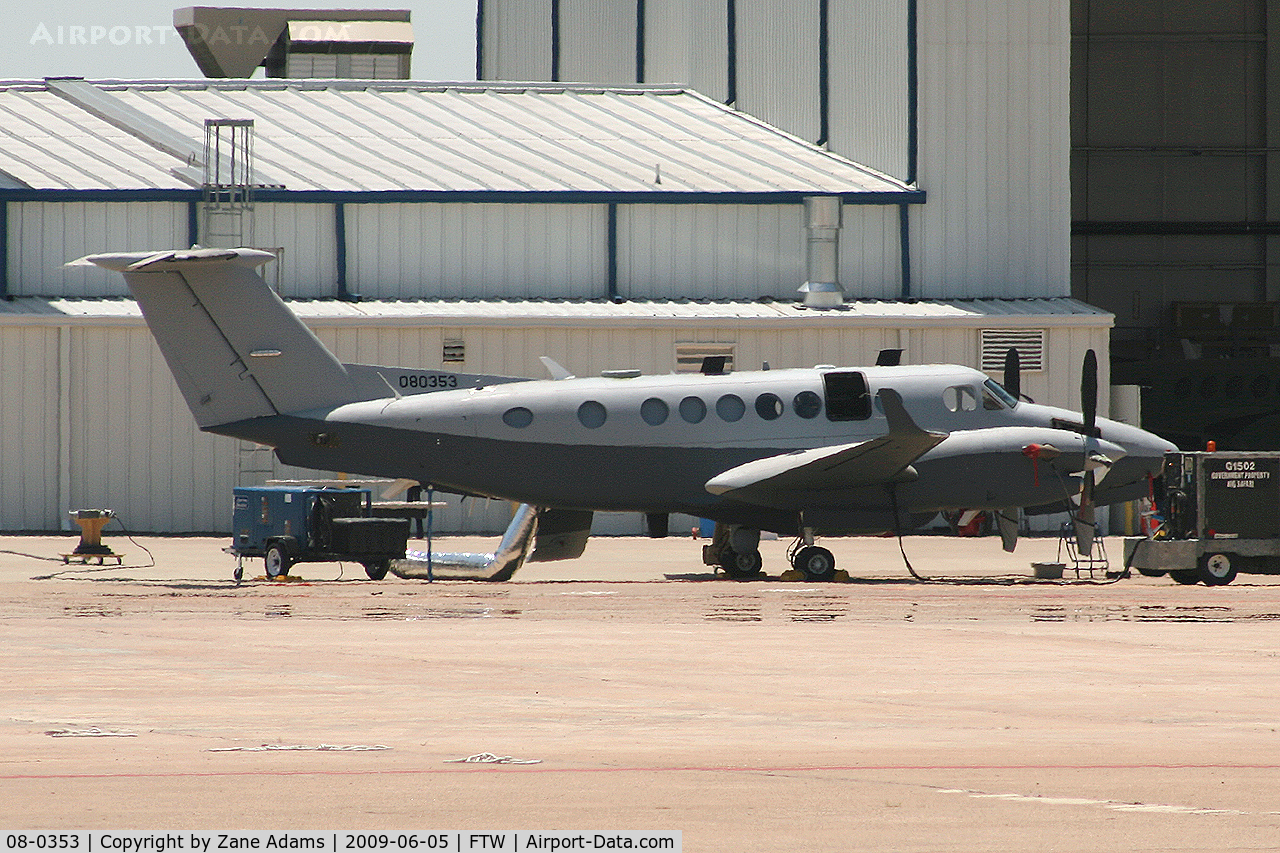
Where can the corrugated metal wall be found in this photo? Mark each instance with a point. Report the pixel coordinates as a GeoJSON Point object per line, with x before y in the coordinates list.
{"type": "Point", "coordinates": [29, 406]}
{"type": "Point", "coordinates": [308, 235]}
{"type": "Point", "coordinates": [45, 235]}
{"type": "Point", "coordinates": [132, 446]}
{"type": "Point", "coordinates": [516, 40]}
{"type": "Point", "coordinates": [597, 41]}
{"type": "Point", "coordinates": [867, 91]}
{"type": "Point", "coordinates": [994, 139]}
{"type": "Point", "coordinates": [480, 251]}
{"type": "Point", "coordinates": [710, 251]}
{"type": "Point", "coordinates": [686, 43]}
{"type": "Point", "coordinates": [994, 150]}
{"type": "Point", "coordinates": [871, 252]}
{"type": "Point", "coordinates": [778, 64]}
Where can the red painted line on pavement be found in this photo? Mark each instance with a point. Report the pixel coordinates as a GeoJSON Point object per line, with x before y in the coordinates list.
{"type": "Point", "coordinates": [478, 768]}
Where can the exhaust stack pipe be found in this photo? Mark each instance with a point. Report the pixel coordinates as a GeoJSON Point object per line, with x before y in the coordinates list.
{"type": "Point", "coordinates": [822, 219]}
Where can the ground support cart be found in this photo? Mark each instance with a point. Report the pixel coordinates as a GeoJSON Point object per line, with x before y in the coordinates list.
{"type": "Point", "coordinates": [1218, 515]}
{"type": "Point", "coordinates": [286, 525]}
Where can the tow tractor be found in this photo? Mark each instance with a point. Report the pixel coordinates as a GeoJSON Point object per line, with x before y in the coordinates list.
{"type": "Point", "coordinates": [286, 525]}
{"type": "Point", "coordinates": [1219, 516]}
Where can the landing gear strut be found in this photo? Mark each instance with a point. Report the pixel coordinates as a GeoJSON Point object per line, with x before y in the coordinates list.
{"type": "Point", "coordinates": [736, 550]}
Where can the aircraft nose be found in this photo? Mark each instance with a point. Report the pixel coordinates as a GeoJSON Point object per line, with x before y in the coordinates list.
{"type": "Point", "coordinates": [1146, 448]}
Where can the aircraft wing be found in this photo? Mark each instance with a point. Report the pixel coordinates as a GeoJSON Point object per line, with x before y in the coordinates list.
{"type": "Point", "coordinates": [777, 480]}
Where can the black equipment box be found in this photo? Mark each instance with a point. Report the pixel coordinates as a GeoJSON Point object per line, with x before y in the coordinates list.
{"type": "Point", "coordinates": [1222, 495]}
{"type": "Point", "coordinates": [371, 536]}
{"type": "Point", "coordinates": [1221, 517]}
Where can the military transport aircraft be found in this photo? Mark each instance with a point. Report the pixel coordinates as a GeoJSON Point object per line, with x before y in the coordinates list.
{"type": "Point", "coordinates": [801, 452]}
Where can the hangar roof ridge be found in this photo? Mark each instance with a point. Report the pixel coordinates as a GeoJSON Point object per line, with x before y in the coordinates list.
{"type": "Point", "coordinates": [413, 140]}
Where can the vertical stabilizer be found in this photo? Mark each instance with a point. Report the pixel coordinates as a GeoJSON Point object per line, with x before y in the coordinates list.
{"type": "Point", "coordinates": [235, 349]}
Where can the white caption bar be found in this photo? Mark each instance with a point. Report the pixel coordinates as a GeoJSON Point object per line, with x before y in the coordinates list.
{"type": "Point", "coordinates": [454, 841]}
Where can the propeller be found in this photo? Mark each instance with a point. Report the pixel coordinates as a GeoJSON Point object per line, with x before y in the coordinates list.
{"type": "Point", "coordinates": [1086, 513]}
{"type": "Point", "coordinates": [1012, 373]}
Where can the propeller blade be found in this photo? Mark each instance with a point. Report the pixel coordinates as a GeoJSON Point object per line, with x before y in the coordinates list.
{"type": "Point", "coordinates": [1086, 516]}
{"type": "Point", "coordinates": [1089, 390]}
{"type": "Point", "coordinates": [1007, 522]}
{"type": "Point", "coordinates": [1013, 373]}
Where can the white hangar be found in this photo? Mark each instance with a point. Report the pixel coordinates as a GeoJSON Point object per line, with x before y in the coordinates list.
{"type": "Point", "coordinates": [607, 225]}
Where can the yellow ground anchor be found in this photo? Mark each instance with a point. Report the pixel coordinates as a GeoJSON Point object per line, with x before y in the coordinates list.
{"type": "Point", "coordinates": [91, 549]}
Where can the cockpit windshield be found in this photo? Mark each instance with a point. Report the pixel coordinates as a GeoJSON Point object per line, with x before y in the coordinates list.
{"type": "Point", "coordinates": [996, 397]}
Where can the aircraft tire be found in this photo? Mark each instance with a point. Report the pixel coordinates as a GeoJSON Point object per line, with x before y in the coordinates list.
{"type": "Point", "coordinates": [744, 566]}
{"type": "Point", "coordinates": [1185, 576]}
{"type": "Point", "coordinates": [818, 564]}
{"type": "Point", "coordinates": [276, 560]}
{"type": "Point", "coordinates": [376, 569]}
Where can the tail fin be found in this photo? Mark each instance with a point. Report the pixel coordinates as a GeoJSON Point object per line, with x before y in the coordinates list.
{"type": "Point", "coordinates": [234, 348]}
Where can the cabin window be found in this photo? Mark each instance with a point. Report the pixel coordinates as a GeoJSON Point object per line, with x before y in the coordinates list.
{"type": "Point", "coordinates": [847, 396]}
{"type": "Point", "coordinates": [519, 417]}
{"type": "Point", "coordinates": [730, 408]}
{"type": "Point", "coordinates": [807, 404]}
{"type": "Point", "coordinates": [960, 398]}
{"type": "Point", "coordinates": [693, 410]}
{"type": "Point", "coordinates": [654, 411]}
{"type": "Point", "coordinates": [592, 414]}
{"type": "Point", "coordinates": [769, 406]}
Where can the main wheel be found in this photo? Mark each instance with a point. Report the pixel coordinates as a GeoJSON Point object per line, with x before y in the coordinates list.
{"type": "Point", "coordinates": [376, 570]}
{"type": "Point", "coordinates": [818, 564]}
{"type": "Point", "coordinates": [744, 566]}
{"type": "Point", "coordinates": [276, 560]}
{"type": "Point", "coordinates": [1217, 569]}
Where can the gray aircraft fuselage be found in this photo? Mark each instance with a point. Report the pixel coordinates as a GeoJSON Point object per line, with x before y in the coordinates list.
{"type": "Point", "coordinates": [652, 443]}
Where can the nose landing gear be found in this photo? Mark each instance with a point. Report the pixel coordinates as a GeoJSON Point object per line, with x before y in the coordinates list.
{"type": "Point", "coordinates": [817, 563]}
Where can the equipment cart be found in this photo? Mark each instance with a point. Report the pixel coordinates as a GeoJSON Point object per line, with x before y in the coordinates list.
{"type": "Point", "coordinates": [1220, 516]}
{"type": "Point", "coordinates": [286, 525]}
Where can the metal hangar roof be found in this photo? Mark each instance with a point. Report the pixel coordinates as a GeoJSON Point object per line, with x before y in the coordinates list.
{"type": "Point", "coordinates": [406, 140]}
{"type": "Point", "coordinates": [933, 313]}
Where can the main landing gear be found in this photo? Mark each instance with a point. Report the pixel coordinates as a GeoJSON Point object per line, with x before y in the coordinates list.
{"type": "Point", "coordinates": [736, 550]}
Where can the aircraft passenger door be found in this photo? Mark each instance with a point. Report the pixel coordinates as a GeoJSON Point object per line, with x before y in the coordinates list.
{"type": "Point", "coordinates": [848, 398]}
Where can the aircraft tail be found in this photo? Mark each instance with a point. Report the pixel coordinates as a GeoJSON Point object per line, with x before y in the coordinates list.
{"type": "Point", "coordinates": [236, 351]}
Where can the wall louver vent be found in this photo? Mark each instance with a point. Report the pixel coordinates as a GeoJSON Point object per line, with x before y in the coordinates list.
{"type": "Point", "coordinates": [1028, 342]}
{"type": "Point", "coordinates": [689, 356]}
